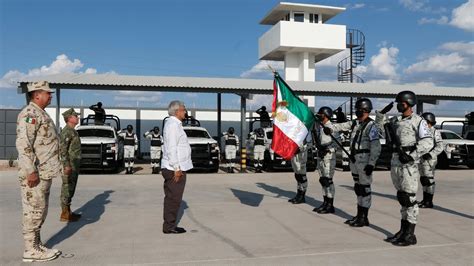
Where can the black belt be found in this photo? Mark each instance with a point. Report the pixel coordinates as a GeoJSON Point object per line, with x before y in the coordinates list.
{"type": "Point", "coordinates": [362, 151]}
{"type": "Point", "coordinates": [409, 148]}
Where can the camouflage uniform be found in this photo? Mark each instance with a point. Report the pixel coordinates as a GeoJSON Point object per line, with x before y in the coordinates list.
{"type": "Point", "coordinates": [130, 146]}
{"type": "Point", "coordinates": [326, 166]}
{"type": "Point", "coordinates": [258, 150]}
{"type": "Point", "coordinates": [298, 163]}
{"type": "Point", "coordinates": [427, 167]}
{"type": "Point", "coordinates": [416, 140]}
{"type": "Point", "coordinates": [155, 149]}
{"type": "Point", "coordinates": [366, 148]}
{"type": "Point", "coordinates": [231, 146]}
{"type": "Point", "coordinates": [70, 153]}
{"type": "Point", "coordinates": [38, 151]}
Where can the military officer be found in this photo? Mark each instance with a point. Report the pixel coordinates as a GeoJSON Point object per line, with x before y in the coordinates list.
{"type": "Point", "coordinates": [130, 147]}
{"type": "Point", "coordinates": [298, 164]}
{"type": "Point", "coordinates": [231, 141]}
{"type": "Point", "coordinates": [428, 163]}
{"type": "Point", "coordinates": [326, 160]}
{"type": "Point", "coordinates": [365, 150]}
{"type": "Point", "coordinates": [37, 144]}
{"type": "Point", "coordinates": [70, 154]}
{"type": "Point", "coordinates": [411, 138]}
{"type": "Point", "coordinates": [258, 149]}
{"type": "Point", "coordinates": [155, 148]}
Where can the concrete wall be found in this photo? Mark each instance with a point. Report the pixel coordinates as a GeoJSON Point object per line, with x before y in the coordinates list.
{"type": "Point", "coordinates": [8, 133]}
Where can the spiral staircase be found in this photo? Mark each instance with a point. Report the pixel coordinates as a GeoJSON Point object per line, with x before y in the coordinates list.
{"type": "Point", "coordinates": [355, 41]}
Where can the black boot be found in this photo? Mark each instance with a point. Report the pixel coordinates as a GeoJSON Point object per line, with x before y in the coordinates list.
{"type": "Point", "coordinates": [130, 171]}
{"type": "Point", "coordinates": [126, 171]}
{"type": "Point", "coordinates": [329, 207]}
{"type": "Point", "coordinates": [396, 236]}
{"type": "Point", "coordinates": [363, 219]}
{"type": "Point", "coordinates": [322, 206]}
{"type": "Point", "coordinates": [359, 213]}
{"type": "Point", "coordinates": [299, 198]}
{"type": "Point", "coordinates": [427, 201]}
{"type": "Point", "coordinates": [408, 238]}
{"type": "Point", "coordinates": [153, 171]}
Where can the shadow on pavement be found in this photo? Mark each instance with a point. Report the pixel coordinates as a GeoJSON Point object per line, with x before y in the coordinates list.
{"type": "Point", "coordinates": [182, 207]}
{"type": "Point", "coordinates": [248, 198]}
{"type": "Point", "coordinates": [309, 200]}
{"type": "Point", "coordinates": [91, 213]}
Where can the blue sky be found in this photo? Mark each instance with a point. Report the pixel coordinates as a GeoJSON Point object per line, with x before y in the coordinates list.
{"type": "Point", "coordinates": [407, 41]}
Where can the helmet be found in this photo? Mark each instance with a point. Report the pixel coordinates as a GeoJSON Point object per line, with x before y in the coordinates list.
{"type": "Point", "coordinates": [260, 131]}
{"type": "Point", "coordinates": [325, 111]}
{"type": "Point", "coordinates": [406, 96]}
{"type": "Point", "coordinates": [429, 117]}
{"type": "Point", "coordinates": [364, 103]}
{"type": "Point", "coordinates": [156, 129]}
{"type": "Point", "coordinates": [129, 127]}
{"type": "Point", "coordinates": [231, 130]}
{"type": "Point", "coordinates": [99, 104]}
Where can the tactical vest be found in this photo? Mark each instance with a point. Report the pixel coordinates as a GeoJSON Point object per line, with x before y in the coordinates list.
{"type": "Point", "coordinates": [259, 141]}
{"type": "Point", "coordinates": [129, 140]}
{"type": "Point", "coordinates": [231, 140]}
{"type": "Point", "coordinates": [409, 130]}
{"type": "Point", "coordinates": [155, 140]}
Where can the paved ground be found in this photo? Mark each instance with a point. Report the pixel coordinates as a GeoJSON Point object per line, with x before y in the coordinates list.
{"type": "Point", "coordinates": [242, 219]}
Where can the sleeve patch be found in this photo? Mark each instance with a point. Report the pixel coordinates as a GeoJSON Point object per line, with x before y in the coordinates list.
{"type": "Point", "coordinates": [373, 134]}
{"type": "Point", "coordinates": [424, 130]}
{"type": "Point", "coordinates": [30, 120]}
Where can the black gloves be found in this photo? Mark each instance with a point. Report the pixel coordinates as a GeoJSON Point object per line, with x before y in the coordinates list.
{"type": "Point", "coordinates": [427, 156]}
{"type": "Point", "coordinates": [368, 169]}
{"type": "Point", "coordinates": [405, 158]}
{"type": "Point", "coordinates": [387, 108]}
{"type": "Point", "coordinates": [327, 131]}
{"type": "Point", "coordinates": [322, 153]}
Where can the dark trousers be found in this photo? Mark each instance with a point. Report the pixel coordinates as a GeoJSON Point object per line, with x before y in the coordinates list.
{"type": "Point", "coordinates": [173, 196]}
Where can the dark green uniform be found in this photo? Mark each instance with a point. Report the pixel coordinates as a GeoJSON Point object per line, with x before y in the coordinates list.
{"type": "Point", "coordinates": [70, 151]}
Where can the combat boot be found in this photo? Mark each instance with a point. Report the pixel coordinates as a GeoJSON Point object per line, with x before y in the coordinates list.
{"type": "Point", "coordinates": [43, 247]}
{"type": "Point", "coordinates": [359, 213]}
{"type": "Point", "coordinates": [396, 236]}
{"type": "Point", "coordinates": [33, 252]}
{"type": "Point", "coordinates": [299, 198]}
{"type": "Point", "coordinates": [329, 207]}
{"type": "Point", "coordinates": [66, 215]}
{"type": "Point", "coordinates": [407, 238]}
{"type": "Point", "coordinates": [361, 220]}
{"type": "Point", "coordinates": [153, 171]}
{"type": "Point", "coordinates": [427, 201]}
{"type": "Point", "coordinates": [322, 206]}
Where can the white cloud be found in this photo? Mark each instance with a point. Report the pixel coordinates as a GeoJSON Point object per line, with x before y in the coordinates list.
{"type": "Point", "coordinates": [463, 16]}
{"type": "Point", "coordinates": [259, 100]}
{"type": "Point", "coordinates": [414, 5]}
{"type": "Point", "coordinates": [261, 70]}
{"type": "Point", "coordinates": [450, 63]}
{"type": "Point", "coordinates": [62, 64]}
{"type": "Point", "coordinates": [443, 20]}
{"type": "Point", "coordinates": [466, 48]}
{"type": "Point", "coordinates": [382, 67]}
{"type": "Point", "coordinates": [355, 6]}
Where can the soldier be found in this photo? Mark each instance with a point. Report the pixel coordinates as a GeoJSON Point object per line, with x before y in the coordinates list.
{"type": "Point", "coordinates": [258, 149]}
{"type": "Point", "coordinates": [37, 144]}
{"type": "Point", "coordinates": [99, 113]}
{"type": "Point", "coordinates": [70, 154]}
{"type": "Point", "coordinates": [155, 148]}
{"type": "Point", "coordinates": [298, 164]}
{"type": "Point", "coordinates": [428, 163]}
{"type": "Point", "coordinates": [231, 146]}
{"type": "Point", "coordinates": [130, 147]}
{"type": "Point", "coordinates": [326, 160]}
{"type": "Point", "coordinates": [365, 150]}
{"type": "Point", "coordinates": [411, 138]}
{"type": "Point", "coordinates": [264, 117]}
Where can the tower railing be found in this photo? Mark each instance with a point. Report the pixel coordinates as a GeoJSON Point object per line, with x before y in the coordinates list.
{"type": "Point", "coordinates": [355, 41]}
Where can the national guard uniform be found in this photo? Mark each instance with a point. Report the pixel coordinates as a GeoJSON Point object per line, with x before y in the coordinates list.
{"type": "Point", "coordinates": [70, 154]}
{"type": "Point", "coordinates": [155, 148]}
{"type": "Point", "coordinates": [365, 150]}
{"type": "Point", "coordinates": [326, 161]}
{"type": "Point", "coordinates": [258, 149]}
{"type": "Point", "coordinates": [298, 164]}
{"type": "Point", "coordinates": [130, 146]}
{"type": "Point", "coordinates": [428, 163]}
{"type": "Point", "coordinates": [37, 144]}
{"type": "Point", "coordinates": [411, 138]}
{"type": "Point", "coordinates": [231, 145]}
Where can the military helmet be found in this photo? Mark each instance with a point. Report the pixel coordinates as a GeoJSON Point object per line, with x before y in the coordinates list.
{"type": "Point", "coordinates": [156, 129]}
{"type": "Point", "coordinates": [129, 127]}
{"type": "Point", "coordinates": [260, 131]}
{"type": "Point", "coordinates": [363, 103]}
{"type": "Point", "coordinates": [406, 96]}
{"type": "Point", "coordinates": [99, 104]}
{"type": "Point", "coordinates": [231, 130]}
{"type": "Point", "coordinates": [429, 117]}
{"type": "Point", "coordinates": [325, 111]}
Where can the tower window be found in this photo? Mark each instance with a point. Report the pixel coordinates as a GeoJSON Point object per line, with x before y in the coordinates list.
{"type": "Point", "coordinates": [299, 17]}
{"type": "Point", "coordinates": [313, 18]}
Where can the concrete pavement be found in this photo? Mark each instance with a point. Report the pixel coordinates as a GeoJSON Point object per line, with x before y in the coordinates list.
{"type": "Point", "coordinates": [242, 219]}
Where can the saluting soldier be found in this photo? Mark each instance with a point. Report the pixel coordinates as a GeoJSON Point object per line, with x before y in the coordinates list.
{"type": "Point", "coordinates": [231, 146]}
{"type": "Point", "coordinates": [411, 138]}
{"type": "Point", "coordinates": [37, 143]}
{"type": "Point", "coordinates": [130, 147]}
{"type": "Point", "coordinates": [155, 148]}
{"type": "Point", "coordinates": [258, 149]}
{"type": "Point", "coordinates": [70, 154]}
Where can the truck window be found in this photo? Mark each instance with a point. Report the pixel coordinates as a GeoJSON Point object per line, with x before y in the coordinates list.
{"type": "Point", "coordinates": [98, 133]}
{"type": "Point", "coordinates": [197, 134]}
{"type": "Point", "coordinates": [449, 135]}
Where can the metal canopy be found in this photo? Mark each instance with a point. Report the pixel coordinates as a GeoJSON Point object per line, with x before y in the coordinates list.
{"type": "Point", "coordinates": [245, 86]}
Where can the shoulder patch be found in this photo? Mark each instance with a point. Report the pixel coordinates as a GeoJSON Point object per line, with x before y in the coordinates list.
{"type": "Point", "coordinates": [373, 133]}
{"type": "Point", "coordinates": [30, 120]}
{"type": "Point", "coordinates": [424, 130]}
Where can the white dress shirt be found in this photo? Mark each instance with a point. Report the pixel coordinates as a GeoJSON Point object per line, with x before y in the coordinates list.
{"type": "Point", "coordinates": [176, 148]}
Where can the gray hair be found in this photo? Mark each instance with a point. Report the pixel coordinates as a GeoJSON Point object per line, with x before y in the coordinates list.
{"type": "Point", "coordinates": [174, 106]}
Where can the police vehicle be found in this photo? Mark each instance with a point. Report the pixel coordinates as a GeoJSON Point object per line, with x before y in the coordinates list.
{"type": "Point", "coordinates": [101, 147]}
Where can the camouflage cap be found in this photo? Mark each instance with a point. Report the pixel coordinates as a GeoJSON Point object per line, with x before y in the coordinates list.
{"type": "Point", "coordinates": [39, 85]}
{"type": "Point", "coordinates": [69, 112]}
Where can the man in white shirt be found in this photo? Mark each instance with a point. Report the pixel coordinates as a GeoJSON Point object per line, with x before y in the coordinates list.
{"type": "Point", "coordinates": [175, 162]}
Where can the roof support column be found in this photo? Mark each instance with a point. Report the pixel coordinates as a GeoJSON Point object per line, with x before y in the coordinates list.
{"type": "Point", "coordinates": [219, 118]}
{"type": "Point", "coordinates": [243, 130]}
{"type": "Point", "coordinates": [58, 106]}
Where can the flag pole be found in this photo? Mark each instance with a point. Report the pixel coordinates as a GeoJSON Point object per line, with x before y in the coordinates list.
{"type": "Point", "coordinates": [335, 140]}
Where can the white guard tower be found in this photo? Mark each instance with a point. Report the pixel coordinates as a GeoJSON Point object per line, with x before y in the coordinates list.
{"type": "Point", "coordinates": [301, 37]}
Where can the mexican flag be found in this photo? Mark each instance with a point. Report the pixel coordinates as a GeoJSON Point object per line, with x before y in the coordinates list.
{"type": "Point", "coordinates": [292, 121]}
